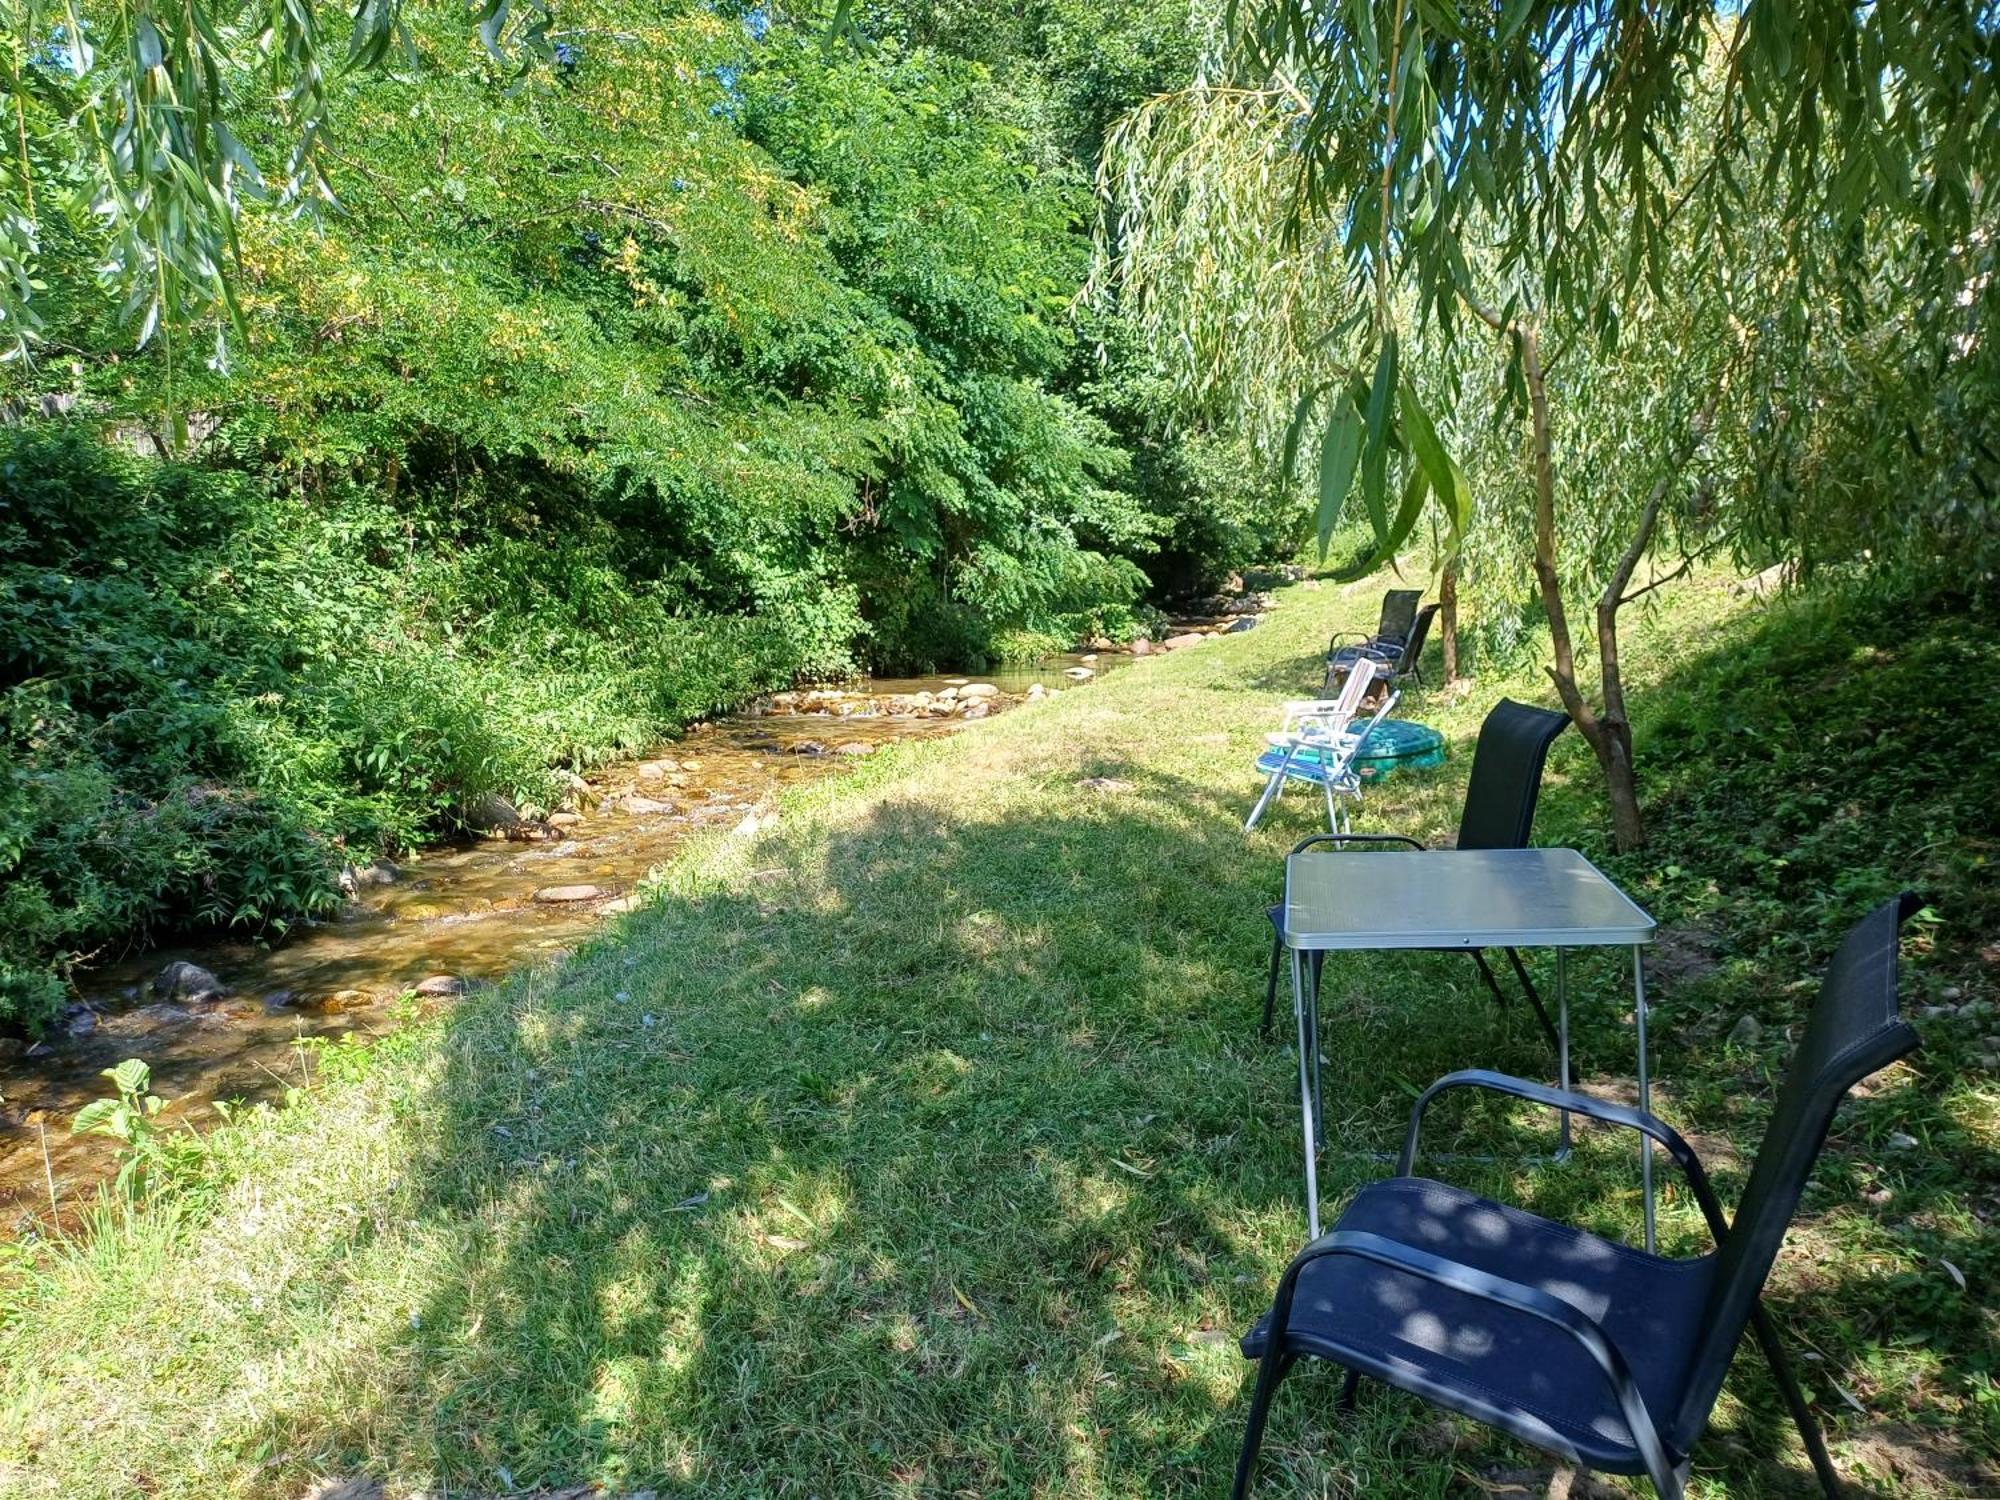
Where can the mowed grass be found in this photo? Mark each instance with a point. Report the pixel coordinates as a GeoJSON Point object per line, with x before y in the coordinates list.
{"type": "Point", "coordinates": [926, 1145]}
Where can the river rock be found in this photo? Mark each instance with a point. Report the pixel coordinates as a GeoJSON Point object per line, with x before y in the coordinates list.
{"type": "Point", "coordinates": [188, 983]}
{"type": "Point", "coordinates": [564, 819]}
{"type": "Point", "coordinates": [976, 690]}
{"type": "Point", "coordinates": [1183, 641]}
{"type": "Point", "coordinates": [1079, 674]}
{"type": "Point", "coordinates": [1242, 623]}
{"type": "Point", "coordinates": [562, 895]}
{"type": "Point", "coordinates": [1141, 646]}
{"type": "Point", "coordinates": [808, 747]}
{"type": "Point", "coordinates": [654, 770]}
{"type": "Point", "coordinates": [976, 710]}
{"type": "Point", "coordinates": [855, 748]}
{"type": "Point", "coordinates": [81, 1020]}
{"type": "Point", "coordinates": [645, 807]}
{"type": "Point", "coordinates": [439, 986]}
{"type": "Point", "coordinates": [1036, 690]}
{"type": "Point", "coordinates": [490, 813]}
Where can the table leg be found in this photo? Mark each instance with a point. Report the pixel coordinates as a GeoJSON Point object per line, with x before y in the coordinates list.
{"type": "Point", "coordinates": [1306, 1110]}
{"type": "Point", "coordinates": [1562, 1045]}
{"type": "Point", "coordinates": [1645, 1092]}
{"type": "Point", "coordinates": [1315, 972]}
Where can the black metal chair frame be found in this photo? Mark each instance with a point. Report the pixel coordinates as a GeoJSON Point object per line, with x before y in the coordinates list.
{"type": "Point", "coordinates": [1744, 1254]}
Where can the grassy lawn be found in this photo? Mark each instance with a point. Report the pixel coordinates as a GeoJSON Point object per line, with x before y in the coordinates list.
{"type": "Point", "coordinates": [926, 1144]}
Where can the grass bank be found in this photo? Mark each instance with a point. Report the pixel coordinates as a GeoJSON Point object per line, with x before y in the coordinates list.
{"type": "Point", "coordinates": [926, 1146]}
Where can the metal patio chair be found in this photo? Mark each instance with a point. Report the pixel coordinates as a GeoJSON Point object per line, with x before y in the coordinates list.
{"type": "Point", "coordinates": [1314, 734]}
{"type": "Point", "coordinates": [1392, 628]}
{"type": "Point", "coordinates": [1608, 1357]}
{"type": "Point", "coordinates": [1499, 813]}
{"type": "Point", "coordinates": [1395, 662]}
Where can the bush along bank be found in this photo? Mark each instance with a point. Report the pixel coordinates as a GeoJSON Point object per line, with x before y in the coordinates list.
{"type": "Point", "coordinates": [214, 693]}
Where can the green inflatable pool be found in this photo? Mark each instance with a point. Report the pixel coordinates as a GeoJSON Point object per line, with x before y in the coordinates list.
{"type": "Point", "coordinates": [1399, 745]}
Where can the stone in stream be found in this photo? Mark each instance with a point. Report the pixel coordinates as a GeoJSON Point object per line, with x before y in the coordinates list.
{"type": "Point", "coordinates": [976, 709]}
{"type": "Point", "coordinates": [188, 983]}
{"type": "Point", "coordinates": [562, 895]}
{"type": "Point", "coordinates": [1183, 641]}
{"type": "Point", "coordinates": [1141, 646]}
{"type": "Point", "coordinates": [1079, 674]}
{"type": "Point", "coordinates": [808, 747]}
{"type": "Point", "coordinates": [645, 807]}
{"type": "Point", "coordinates": [1242, 623]}
{"type": "Point", "coordinates": [854, 747]}
{"type": "Point", "coordinates": [653, 770]}
{"type": "Point", "coordinates": [979, 690]}
{"type": "Point", "coordinates": [439, 985]}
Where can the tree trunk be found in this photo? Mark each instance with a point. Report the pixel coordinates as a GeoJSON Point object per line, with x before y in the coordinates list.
{"type": "Point", "coordinates": [1448, 619]}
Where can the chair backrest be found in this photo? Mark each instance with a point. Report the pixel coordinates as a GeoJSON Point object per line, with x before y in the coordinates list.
{"type": "Point", "coordinates": [1413, 648]}
{"type": "Point", "coordinates": [1399, 615]}
{"type": "Point", "coordinates": [1325, 720]}
{"type": "Point", "coordinates": [1853, 1030]}
{"type": "Point", "coordinates": [1506, 776]}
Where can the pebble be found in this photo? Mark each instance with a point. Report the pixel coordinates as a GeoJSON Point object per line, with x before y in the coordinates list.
{"type": "Point", "coordinates": [1746, 1033]}
{"type": "Point", "coordinates": [558, 895]}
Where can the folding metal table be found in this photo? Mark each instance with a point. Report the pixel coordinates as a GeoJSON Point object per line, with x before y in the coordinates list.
{"type": "Point", "coordinates": [1339, 901]}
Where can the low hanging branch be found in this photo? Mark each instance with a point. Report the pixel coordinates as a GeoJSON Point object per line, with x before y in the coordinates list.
{"type": "Point", "coordinates": [1608, 729]}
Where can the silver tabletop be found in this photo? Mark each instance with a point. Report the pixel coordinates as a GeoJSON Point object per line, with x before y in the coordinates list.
{"type": "Point", "coordinates": [1456, 898]}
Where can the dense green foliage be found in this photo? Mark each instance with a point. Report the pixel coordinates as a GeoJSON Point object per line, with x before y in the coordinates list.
{"type": "Point", "coordinates": [703, 358]}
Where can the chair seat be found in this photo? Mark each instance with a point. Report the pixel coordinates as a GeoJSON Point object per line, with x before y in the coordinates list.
{"type": "Point", "coordinates": [1504, 1368]}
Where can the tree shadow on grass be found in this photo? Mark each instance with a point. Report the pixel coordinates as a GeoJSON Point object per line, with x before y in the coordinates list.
{"type": "Point", "coordinates": [936, 1156]}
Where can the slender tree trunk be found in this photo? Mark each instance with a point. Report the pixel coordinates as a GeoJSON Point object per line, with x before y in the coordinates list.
{"type": "Point", "coordinates": [1448, 619]}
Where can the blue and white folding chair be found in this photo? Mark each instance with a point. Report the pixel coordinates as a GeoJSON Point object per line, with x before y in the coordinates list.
{"type": "Point", "coordinates": [1321, 751]}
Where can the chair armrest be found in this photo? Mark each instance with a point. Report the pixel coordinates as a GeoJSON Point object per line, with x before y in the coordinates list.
{"type": "Point", "coordinates": [1646, 1124]}
{"type": "Point", "coordinates": [1355, 838]}
{"type": "Point", "coordinates": [1486, 1287]}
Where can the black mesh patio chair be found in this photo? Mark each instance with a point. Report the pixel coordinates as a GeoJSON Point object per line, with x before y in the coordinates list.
{"type": "Point", "coordinates": [1392, 628]}
{"type": "Point", "coordinates": [1597, 1352]}
{"type": "Point", "coordinates": [1499, 813]}
{"type": "Point", "coordinates": [1395, 662]}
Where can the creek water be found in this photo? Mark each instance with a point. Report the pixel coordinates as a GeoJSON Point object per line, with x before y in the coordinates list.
{"type": "Point", "coordinates": [457, 913]}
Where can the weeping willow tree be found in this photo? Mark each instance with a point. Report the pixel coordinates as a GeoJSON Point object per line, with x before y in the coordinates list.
{"type": "Point", "coordinates": [1571, 188]}
{"type": "Point", "coordinates": [121, 129]}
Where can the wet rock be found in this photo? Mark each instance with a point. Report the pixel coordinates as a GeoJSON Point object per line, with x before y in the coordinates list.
{"type": "Point", "coordinates": [1746, 1033]}
{"type": "Point", "coordinates": [808, 747]}
{"type": "Point", "coordinates": [1099, 643]}
{"type": "Point", "coordinates": [1079, 674]}
{"type": "Point", "coordinates": [855, 748]}
{"type": "Point", "coordinates": [976, 710]}
{"type": "Point", "coordinates": [690, 765]}
{"type": "Point", "coordinates": [344, 1000]}
{"type": "Point", "coordinates": [81, 1020]}
{"type": "Point", "coordinates": [565, 819]}
{"type": "Point", "coordinates": [280, 1000]}
{"type": "Point", "coordinates": [654, 770]}
{"type": "Point", "coordinates": [1182, 641]}
{"type": "Point", "coordinates": [645, 807]}
{"type": "Point", "coordinates": [490, 813]}
{"type": "Point", "coordinates": [1141, 646]}
{"type": "Point", "coordinates": [563, 895]}
{"type": "Point", "coordinates": [1242, 623]}
{"type": "Point", "coordinates": [622, 904]}
{"type": "Point", "coordinates": [187, 983]}
{"type": "Point", "coordinates": [1036, 690]}
{"type": "Point", "coordinates": [439, 986]}
{"type": "Point", "coordinates": [978, 690]}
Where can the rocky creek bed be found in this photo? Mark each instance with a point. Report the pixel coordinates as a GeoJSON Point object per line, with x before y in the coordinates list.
{"type": "Point", "coordinates": [219, 1020]}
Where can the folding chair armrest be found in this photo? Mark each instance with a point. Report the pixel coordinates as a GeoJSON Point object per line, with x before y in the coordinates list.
{"type": "Point", "coordinates": [1486, 1287]}
{"type": "Point", "coordinates": [1355, 838]}
{"type": "Point", "coordinates": [1646, 1124]}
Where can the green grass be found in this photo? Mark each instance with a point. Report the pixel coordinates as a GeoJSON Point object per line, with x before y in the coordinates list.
{"type": "Point", "coordinates": [926, 1146]}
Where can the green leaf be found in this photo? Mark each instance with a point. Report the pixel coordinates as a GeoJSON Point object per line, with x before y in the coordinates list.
{"type": "Point", "coordinates": [1446, 478]}
{"type": "Point", "coordinates": [1375, 443]}
{"type": "Point", "coordinates": [1339, 447]}
{"type": "Point", "coordinates": [1288, 464]}
{"type": "Point", "coordinates": [99, 1117]}
{"type": "Point", "coordinates": [132, 1076]}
